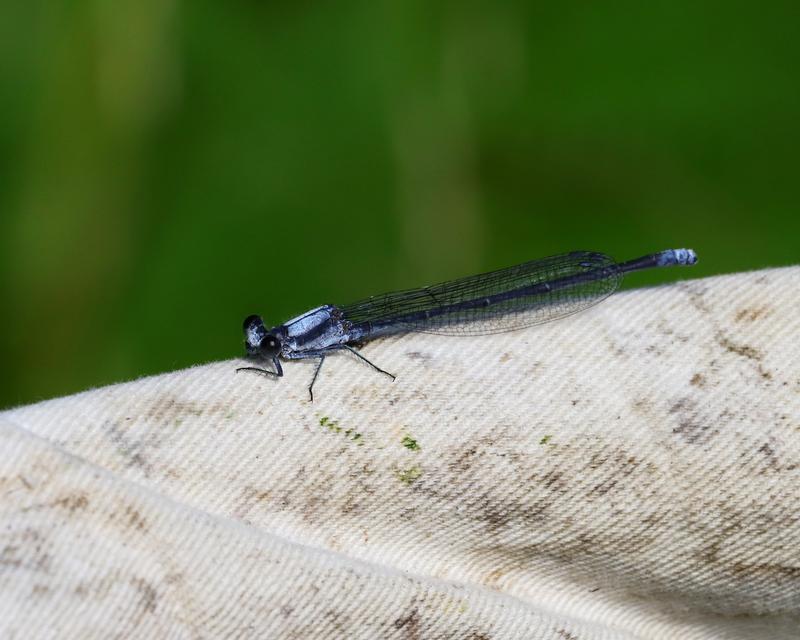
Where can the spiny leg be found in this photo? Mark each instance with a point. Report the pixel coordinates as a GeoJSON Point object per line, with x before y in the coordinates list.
{"type": "Point", "coordinates": [303, 355]}
{"type": "Point", "coordinates": [374, 366]}
{"type": "Point", "coordinates": [314, 379]}
{"type": "Point", "coordinates": [307, 355]}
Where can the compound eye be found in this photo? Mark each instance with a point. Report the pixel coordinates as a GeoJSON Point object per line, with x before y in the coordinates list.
{"type": "Point", "coordinates": [270, 345]}
{"type": "Point", "coordinates": [252, 322]}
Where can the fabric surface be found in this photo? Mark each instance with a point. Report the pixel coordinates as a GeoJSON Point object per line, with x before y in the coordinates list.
{"type": "Point", "coordinates": [628, 472]}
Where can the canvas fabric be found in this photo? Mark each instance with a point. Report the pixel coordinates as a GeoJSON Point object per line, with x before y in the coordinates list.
{"type": "Point", "coordinates": [629, 472]}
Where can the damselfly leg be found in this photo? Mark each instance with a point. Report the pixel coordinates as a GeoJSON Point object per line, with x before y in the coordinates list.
{"type": "Point", "coordinates": [304, 355]}
{"type": "Point", "coordinates": [278, 373]}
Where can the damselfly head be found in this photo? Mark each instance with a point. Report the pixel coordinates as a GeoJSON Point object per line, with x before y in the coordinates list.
{"type": "Point", "coordinates": [258, 341]}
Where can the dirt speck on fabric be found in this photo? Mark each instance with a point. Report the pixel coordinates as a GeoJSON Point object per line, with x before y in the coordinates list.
{"type": "Point", "coordinates": [410, 623]}
{"type": "Point", "coordinates": [698, 380]}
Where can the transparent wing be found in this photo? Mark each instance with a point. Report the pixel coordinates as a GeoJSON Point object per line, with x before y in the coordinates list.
{"type": "Point", "coordinates": [504, 300]}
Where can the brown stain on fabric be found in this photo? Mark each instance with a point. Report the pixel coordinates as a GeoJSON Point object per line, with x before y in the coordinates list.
{"type": "Point", "coordinates": [148, 594]}
{"type": "Point", "coordinates": [419, 355]}
{"type": "Point", "coordinates": [748, 352]}
{"type": "Point", "coordinates": [750, 571]}
{"type": "Point", "coordinates": [464, 460]}
{"type": "Point", "coordinates": [691, 428]}
{"type": "Point", "coordinates": [746, 315]}
{"type": "Point", "coordinates": [623, 466]}
{"type": "Point", "coordinates": [131, 519]}
{"type": "Point", "coordinates": [26, 548]}
{"type": "Point", "coordinates": [409, 624]}
{"type": "Point", "coordinates": [773, 461]}
{"type": "Point", "coordinates": [137, 436]}
{"type": "Point", "coordinates": [131, 447]}
{"type": "Point", "coordinates": [751, 314]}
{"type": "Point", "coordinates": [73, 502]}
{"type": "Point", "coordinates": [70, 502]}
{"type": "Point", "coordinates": [695, 291]}
{"type": "Point", "coordinates": [743, 350]}
{"type": "Point", "coordinates": [168, 409]}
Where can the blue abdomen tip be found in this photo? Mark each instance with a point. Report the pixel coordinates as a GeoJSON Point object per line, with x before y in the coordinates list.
{"type": "Point", "coordinates": [676, 257]}
{"type": "Point", "coordinates": [685, 256]}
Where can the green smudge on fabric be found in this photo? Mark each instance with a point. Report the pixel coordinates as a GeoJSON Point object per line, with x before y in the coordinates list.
{"type": "Point", "coordinates": [335, 427]}
{"type": "Point", "coordinates": [409, 476]}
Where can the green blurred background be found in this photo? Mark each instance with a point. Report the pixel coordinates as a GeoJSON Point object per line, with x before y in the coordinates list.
{"type": "Point", "coordinates": [168, 168]}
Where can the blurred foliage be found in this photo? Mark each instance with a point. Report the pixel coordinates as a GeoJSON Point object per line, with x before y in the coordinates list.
{"type": "Point", "coordinates": [168, 168]}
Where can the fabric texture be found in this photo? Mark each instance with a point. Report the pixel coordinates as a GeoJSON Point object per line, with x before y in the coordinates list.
{"type": "Point", "coordinates": [629, 472]}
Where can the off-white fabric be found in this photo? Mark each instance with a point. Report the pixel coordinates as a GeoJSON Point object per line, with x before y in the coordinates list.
{"type": "Point", "coordinates": [629, 472]}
